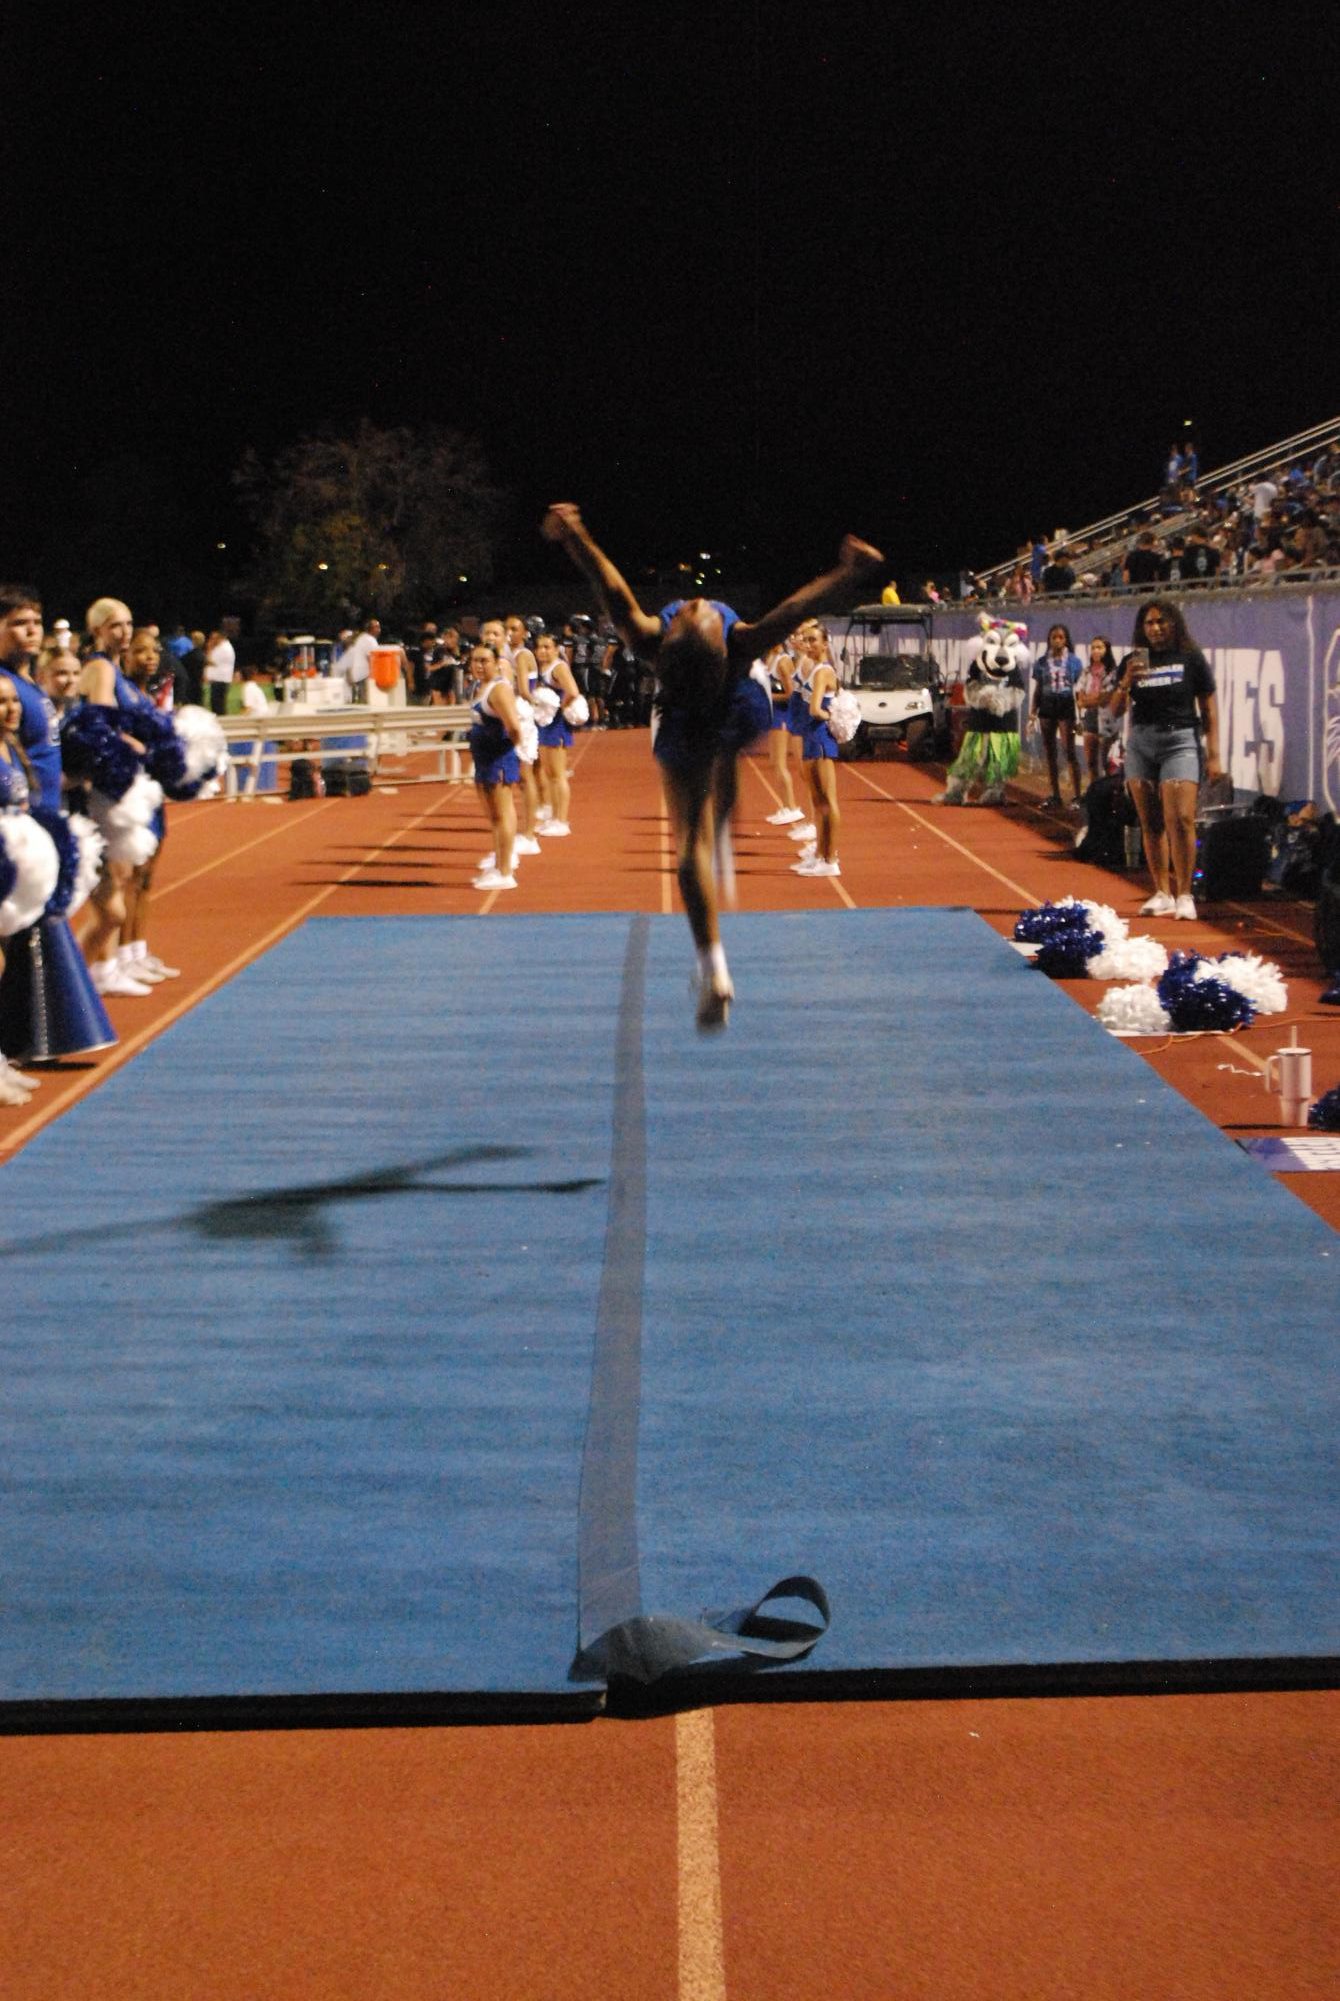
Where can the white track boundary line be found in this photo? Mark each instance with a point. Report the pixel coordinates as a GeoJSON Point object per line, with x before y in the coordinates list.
{"type": "Point", "coordinates": [702, 1964]}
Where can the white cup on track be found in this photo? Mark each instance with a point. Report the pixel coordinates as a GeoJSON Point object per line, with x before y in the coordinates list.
{"type": "Point", "coordinates": [1289, 1072]}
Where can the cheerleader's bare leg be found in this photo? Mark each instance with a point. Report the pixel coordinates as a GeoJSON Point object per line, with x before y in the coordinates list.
{"type": "Point", "coordinates": [689, 803]}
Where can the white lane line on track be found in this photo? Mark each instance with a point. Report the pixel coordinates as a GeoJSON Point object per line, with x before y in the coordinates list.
{"type": "Point", "coordinates": [1029, 896]}
{"type": "Point", "coordinates": [834, 882]}
{"type": "Point", "coordinates": [115, 1058]}
{"type": "Point", "coordinates": [220, 861]}
{"type": "Point", "coordinates": [702, 1963]}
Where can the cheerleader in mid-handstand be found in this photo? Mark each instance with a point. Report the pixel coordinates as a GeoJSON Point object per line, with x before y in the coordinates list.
{"type": "Point", "coordinates": [707, 708]}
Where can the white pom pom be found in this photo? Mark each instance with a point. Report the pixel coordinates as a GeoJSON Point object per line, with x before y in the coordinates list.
{"type": "Point", "coordinates": [528, 748]}
{"type": "Point", "coordinates": [33, 853]}
{"type": "Point", "coordinates": [91, 850]}
{"type": "Point", "coordinates": [1129, 959]}
{"type": "Point", "coordinates": [1134, 1011]}
{"type": "Point", "coordinates": [124, 822]}
{"type": "Point", "coordinates": [1258, 980]}
{"type": "Point", "coordinates": [545, 704]}
{"type": "Point", "coordinates": [203, 742]}
{"type": "Point", "coordinates": [577, 712]}
{"type": "Point", "coordinates": [844, 716]}
{"type": "Point", "coordinates": [1104, 920]}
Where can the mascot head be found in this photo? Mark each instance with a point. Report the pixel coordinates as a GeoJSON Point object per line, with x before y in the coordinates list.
{"type": "Point", "coordinates": [1003, 645]}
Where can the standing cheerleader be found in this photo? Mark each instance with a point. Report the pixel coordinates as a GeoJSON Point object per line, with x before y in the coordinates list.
{"type": "Point", "coordinates": [780, 668]}
{"type": "Point", "coordinates": [518, 663]}
{"type": "Point", "coordinates": [49, 1007]}
{"type": "Point", "coordinates": [110, 629]}
{"type": "Point", "coordinates": [819, 752]}
{"type": "Point", "coordinates": [798, 711]}
{"type": "Point", "coordinates": [140, 710]}
{"type": "Point", "coordinates": [706, 710]}
{"type": "Point", "coordinates": [494, 737]}
{"type": "Point", "coordinates": [557, 686]}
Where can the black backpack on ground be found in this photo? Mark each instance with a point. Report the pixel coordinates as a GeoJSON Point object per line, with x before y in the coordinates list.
{"type": "Point", "coordinates": [1107, 814]}
{"type": "Point", "coordinates": [1232, 852]}
{"type": "Point", "coordinates": [1326, 921]}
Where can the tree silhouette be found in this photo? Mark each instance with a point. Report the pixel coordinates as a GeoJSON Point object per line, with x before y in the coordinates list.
{"type": "Point", "coordinates": [386, 521]}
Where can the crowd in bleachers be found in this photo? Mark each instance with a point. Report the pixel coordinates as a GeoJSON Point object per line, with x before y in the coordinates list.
{"type": "Point", "coordinates": [1282, 521]}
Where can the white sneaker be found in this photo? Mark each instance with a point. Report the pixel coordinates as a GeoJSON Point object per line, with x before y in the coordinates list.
{"type": "Point", "coordinates": [110, 978]}
{"type": "Point", "coordinates": [492, 880]}
{"type": "Point", "coordinates": [13, 1090]}
{"type": "Point", "coordinates": [786, 816]}
{"type": "Point", "coordinates": [553, 829]}
{"type": "Point", "coordinates": [1185, 906]}
{"type": "Point", "coordinates": [153, 964]}
{"type": "Point", "coordinates": [1160, 904]}
{"type": "Point", "coordinates": [543, 813]}
{"type": "Point", "coordinates": [139, 969]}
{"type": "Point", "coordinates": [525, 844]}
{"type": "Point", "coordinates": [809, 851]}
{"type": "Point", "coordinates": [807, 832]}
{"type": "Point", "coordinates": [815, 867]}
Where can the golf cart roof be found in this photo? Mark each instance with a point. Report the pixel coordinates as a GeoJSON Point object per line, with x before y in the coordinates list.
{"type": "Point", "coordinates": [893, 614]}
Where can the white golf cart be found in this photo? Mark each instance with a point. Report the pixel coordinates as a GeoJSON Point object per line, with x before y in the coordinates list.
{"type": "Point", "coordinates": [886, 662]}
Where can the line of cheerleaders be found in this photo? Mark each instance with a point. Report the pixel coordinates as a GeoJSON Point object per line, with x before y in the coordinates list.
{"type": "Point", "coordinates": [86, 764]}
{"type": "Point", "coordinates": [527, 705]}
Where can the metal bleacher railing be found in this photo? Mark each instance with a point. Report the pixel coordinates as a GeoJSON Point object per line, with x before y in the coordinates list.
{"type": "Point", "coordinates": [1103, 538]}
{"type": "Point", "coordinates": [410, 746]}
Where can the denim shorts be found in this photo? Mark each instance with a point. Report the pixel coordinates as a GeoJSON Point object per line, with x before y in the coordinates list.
{"type": "Point", "coordinates": [1162, 754]}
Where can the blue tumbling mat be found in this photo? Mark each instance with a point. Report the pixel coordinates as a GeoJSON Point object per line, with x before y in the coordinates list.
{"type": "Point", "coordinates": [298, 1343]}
{"type": "Point", "coordinates": [953, 1305]}
{"type": "Point", "coordinates": [432, 1323]}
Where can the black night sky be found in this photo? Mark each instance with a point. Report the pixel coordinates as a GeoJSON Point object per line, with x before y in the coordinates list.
{"type": "Point", "coordinates": [749, 274]}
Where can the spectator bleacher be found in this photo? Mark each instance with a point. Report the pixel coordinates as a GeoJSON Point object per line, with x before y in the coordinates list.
{"type": "Point", "coordinates": [1272, 515]}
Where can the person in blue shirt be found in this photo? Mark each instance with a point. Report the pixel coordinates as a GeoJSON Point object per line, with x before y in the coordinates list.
{"type": "Point", "coordinates": [39, 733]}
{"type": "Point", "coordinates": [707, 708]}
{"type": "Point", "coordinates": [1055, 674]}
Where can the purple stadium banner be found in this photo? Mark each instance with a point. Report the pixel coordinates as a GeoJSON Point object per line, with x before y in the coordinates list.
{"type": "Point", "coordinates": [1276, 660]}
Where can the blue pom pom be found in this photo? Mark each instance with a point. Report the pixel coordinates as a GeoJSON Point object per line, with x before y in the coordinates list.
{"type": "Point", "coordinates": [1201, 1004]}
{"type": "Point", "coordinates": [1034, 927]}
{"type": "Point", "coordinates": [13, 785]}
{"type": "Point", "coordinates": [1063, 936]}
{"type": "Point", "coordinates": [93, 748]}
{"type": "Point", "coordinates": [1324, 1116]}
{"type": "Point", "coordinates": [67, 854]}
{"type": "Point", "coordinates": [165, 753]}
{"type": "Point", "coordinates": [1065, 955]}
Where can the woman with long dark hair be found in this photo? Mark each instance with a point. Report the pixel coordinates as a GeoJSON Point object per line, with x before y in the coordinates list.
{"type": "Point", "coordinates": [707, 709]}
{"type": "Point", "coordinates": [1055, 674]}
{"type": "Point", "coordinates": [1174, 740]}
{"type": "Point", "coordinates": [1094, 690]}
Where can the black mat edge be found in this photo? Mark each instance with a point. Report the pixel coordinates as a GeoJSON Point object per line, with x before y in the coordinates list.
{"type": "Point", "coordinates": [713, 1685]}
{"type": "Point", "coordinates": [146, 1715]}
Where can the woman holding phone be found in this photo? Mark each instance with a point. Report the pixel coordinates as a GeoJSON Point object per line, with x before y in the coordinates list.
{"type": "Point", "coordinates": [1169, 686]}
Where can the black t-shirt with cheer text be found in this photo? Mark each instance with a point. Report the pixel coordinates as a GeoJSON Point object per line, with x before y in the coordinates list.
{"type": "Point", "coordinates": [1166, 693]}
